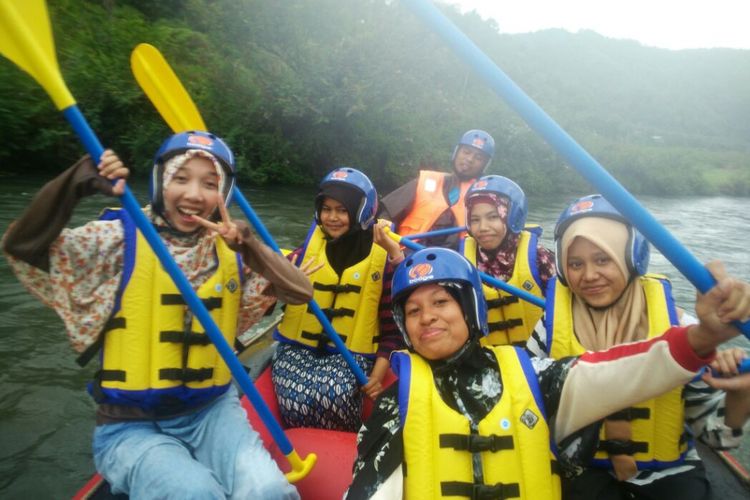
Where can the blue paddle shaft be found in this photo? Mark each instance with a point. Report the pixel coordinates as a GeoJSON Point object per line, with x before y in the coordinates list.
{"type": "Point", "coordinates": [130, 204]}
{"type": "Point", "coordinates": [569, 149]}
{"type": "Point", "coordinates": [490, 280]}
{"type": "Point", "coordinates": [436, 232]}
{"type": "Point", "coordinates": [240, 199]}
{"type": "Point", "coordinates": [743, 367]}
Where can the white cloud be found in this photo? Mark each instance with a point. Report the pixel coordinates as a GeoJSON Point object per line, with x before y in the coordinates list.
{"type": "Point", "coordinates": [671, 24]}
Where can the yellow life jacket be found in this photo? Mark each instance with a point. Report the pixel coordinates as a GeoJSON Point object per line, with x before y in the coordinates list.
{"type": "Point", "coordinates": [510, 319]}
{"type": "Point", "coordinates": [430, 203]}
{"type": "Point", "coordinates": [350, 301]}
{"type": "Point", "coordinates": [512, 441]}
{"type": "Point", "coordinates": [658, 439]}
{"type": "Point", "coordinates": [148, 359]}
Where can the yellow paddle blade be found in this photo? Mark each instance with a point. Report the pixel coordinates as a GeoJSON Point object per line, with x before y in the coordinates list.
{"type": "Point", "coordinates": [159, 82]}
{"type": "Point", "coordinates": [26, 39]}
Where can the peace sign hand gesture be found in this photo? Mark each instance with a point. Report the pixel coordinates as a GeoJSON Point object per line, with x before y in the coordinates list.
{"type": "Point", "coordinates": [227, 228]}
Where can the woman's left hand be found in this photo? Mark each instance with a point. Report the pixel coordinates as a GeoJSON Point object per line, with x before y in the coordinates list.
{"type": "Point", "coordinates": [735, 385]}
{"type": "Point", "coordinates": [373, 387]}
{"type": "Point", "coordinates": [308, 268]}
{"type": "Point", "coordinates": [380, 237]}
{"type": "Point", "coordinates": [227, 229]}
{"type": "Point", "coordinates": [724, 373]}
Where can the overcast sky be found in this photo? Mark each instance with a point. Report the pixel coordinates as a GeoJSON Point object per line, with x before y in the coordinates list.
{"type": "Point", "coordinates": [670, 24]}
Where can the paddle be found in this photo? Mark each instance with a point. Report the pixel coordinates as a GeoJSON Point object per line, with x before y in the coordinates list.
{"type": "Point", "coordinates": [26, 39]}
{"type": "Point", "coordinates": [436, 232]}
{"type": "Point", "coordinates": [162, 86]}
{"type": "Point", "coordinates": [586, 165]}
{"type": "Point", "coordinates": [490, 280]}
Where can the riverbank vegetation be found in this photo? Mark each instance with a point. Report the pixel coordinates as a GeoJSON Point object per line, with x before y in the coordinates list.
{"type": "Point", "coordinates": [298, 86]}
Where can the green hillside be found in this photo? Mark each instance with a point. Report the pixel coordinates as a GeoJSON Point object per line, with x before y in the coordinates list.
{"type": "Point", "coordinates": [299, 86]}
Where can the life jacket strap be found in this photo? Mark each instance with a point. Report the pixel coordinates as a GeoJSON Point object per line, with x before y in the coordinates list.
{"type": "Point", "coordinates": [475, 443]}
{"type": "Point", "coordinates": [175, 299]}
{"type": "Point", "coordinates": [91, 351]}
{"type": "Point", "coordinates": [504, 325]}
{"type": "Point", "coordinates": [321, 338]}
{"type": "Point", "coordinates": [497, 491]}
{"type": "Point", "coordinates": [188, 338]}
{"type": "Point", "coordinates": [336, 288]}
{"type": "Point", "coordinates": [111, 375]}
{"type": "Point", "coordinates": [555, 467]}
{"type": "Point", "coordinates": [114, 323]}
{"type": "Point", "coordinates": [502, 301]}
{"type": "Point", "coordinates": [186, 374]}
{"type": "Point", "coordinates": [623, 447]}
{"type": "Point", "coordinates": [340, 312]}
{"type": "Point", "coordinates": [631, 414]}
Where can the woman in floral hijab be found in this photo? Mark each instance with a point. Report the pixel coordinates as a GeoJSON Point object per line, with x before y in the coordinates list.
{"type": "Point", "coordinates": [500, 244]}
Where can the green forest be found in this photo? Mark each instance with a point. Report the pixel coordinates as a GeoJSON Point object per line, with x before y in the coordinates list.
{"type": "Point", "coordinates": [297, 87]}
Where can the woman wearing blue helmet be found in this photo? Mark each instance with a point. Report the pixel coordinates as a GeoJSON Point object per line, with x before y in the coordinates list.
{"type": "Point", "coordinates": [314, 385]}
{"type": "Point", "coordinates": [169, 422]}
{"type": "Point", "coordinates": [466, 420]}
{"type": "Point", "coordinates": [501, 245]}
{"type": "Point", "coordinates": [602, 297]}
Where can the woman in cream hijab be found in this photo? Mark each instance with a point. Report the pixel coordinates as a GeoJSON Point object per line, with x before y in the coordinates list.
{"type": "Point", "coordinates": [603, 297]}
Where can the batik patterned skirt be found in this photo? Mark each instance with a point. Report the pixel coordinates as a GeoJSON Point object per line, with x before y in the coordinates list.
{"type": "Point", "coordinates": [317, 389]}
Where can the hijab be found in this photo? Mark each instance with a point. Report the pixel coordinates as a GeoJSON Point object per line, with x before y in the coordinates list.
{"type": "Point", "coordinates": [626, 319]}
{"type": "Point", "coordinates": [356, 243]}
{"type": "Point", "coordinates": [171, 167]}
{"type": "Point", "coordinates": [497, 262]}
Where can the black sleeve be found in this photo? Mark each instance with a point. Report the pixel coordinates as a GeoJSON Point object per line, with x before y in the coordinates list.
{"type": "Point", "coordinates": [397, 204]}
{"type": "Point", "coordinates": [380, 448]}
{"type": "Point", "coordinates": [30, 236]}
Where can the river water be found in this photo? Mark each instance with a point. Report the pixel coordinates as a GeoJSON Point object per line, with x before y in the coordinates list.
{"type": "Point", "coordinates": [46, 417]}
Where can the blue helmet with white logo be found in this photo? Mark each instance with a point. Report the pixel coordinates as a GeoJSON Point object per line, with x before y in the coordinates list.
{"type": "Point", "coordinates": [184, 141]}
{"type": "Point", "coordinates": [353, 179]}
{"type": "Point", "coordinates": [447, 268]}
{"type": "Point", "coordinates": [518, 207]}
{"type": "Point", "coordinates": [478, 139]}
{"type": "Point", "coordinates": [637, 251]}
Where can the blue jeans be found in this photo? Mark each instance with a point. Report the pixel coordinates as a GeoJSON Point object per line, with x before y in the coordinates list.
{"type": "Point", "coordinates": [213, 453]}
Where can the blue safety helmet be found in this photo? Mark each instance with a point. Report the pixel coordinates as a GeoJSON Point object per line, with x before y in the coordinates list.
{"type": "Point", "coordinates": [478, 139]}
{"type": "Point", "coordinates": [637, 250]}
{"type": "Point", "coordinates": [184, 141]}
{"type": "Point", "coordinates": [518, 207]}
{"type": "Point", "coordinates": [447, 268]}
{"type": "Point", "coordinates": [353, 178]}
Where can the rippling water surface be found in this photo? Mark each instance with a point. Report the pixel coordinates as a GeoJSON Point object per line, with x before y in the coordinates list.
{"type": "Point", "coordinates": [46, 417]}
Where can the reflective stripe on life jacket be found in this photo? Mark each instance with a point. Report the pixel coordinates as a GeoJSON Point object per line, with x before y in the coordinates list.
{"type": "Point", "coordinates": [430, 203]}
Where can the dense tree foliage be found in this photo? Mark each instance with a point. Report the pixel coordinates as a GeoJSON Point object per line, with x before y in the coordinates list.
{"type": "Point", "coordinates": [299, 86]}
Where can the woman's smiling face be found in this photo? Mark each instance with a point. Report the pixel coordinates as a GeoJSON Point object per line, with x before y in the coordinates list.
{"type": "Point", "coordinates": [487, 226]}
{"type": "Point", "coordinates": [193, 190]}
{"type": "Point", "coordinates": [334, 218]}
{"type": "Point", "coordinates": [434, 322]}
{"type": "Point", "coordinates": [592, 274]}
